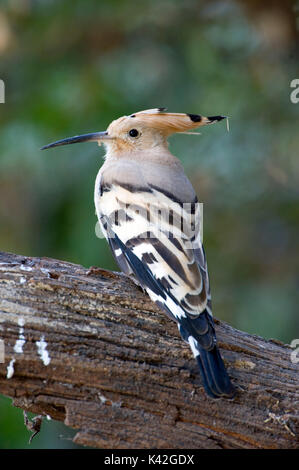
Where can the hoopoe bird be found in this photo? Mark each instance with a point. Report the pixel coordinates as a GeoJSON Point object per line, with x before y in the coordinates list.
{"type": "Point", "coordinates": [150, 216]}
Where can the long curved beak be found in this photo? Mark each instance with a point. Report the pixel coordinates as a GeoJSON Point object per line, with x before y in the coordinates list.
{"type": "Point", "coordinates": [93, 137]}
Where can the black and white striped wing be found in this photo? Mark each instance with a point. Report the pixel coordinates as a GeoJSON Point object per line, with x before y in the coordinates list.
{"type": "Point", "coordinates": [158, 240]}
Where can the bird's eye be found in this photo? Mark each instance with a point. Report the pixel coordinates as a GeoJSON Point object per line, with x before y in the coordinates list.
{"type": "Point", "coordinates": [133, 133]}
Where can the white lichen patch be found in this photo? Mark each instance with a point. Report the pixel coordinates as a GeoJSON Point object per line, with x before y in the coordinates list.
{"type": "Point", "coordinates": [18, 347]}
{"type": "Point", "coordinates": [44, 270]}
{"type": "Point", "coordinates": [23, 267]}
{"type": "Point", "coordinates": [10, 369]}
{"type": "Point", "coordinates": [42, 351]}
{"type": "Point", "coordinates": [102, 398]}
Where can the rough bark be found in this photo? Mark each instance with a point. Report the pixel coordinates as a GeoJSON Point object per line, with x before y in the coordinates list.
{"type": "Point", "coordinates": [118, 371]}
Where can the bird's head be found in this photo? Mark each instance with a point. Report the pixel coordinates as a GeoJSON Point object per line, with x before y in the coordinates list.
{"type": "Point", "coordinates": [142, 130]}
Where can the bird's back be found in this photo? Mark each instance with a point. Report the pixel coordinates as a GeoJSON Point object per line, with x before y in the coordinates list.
{"type": "Point", "coordinates": [151, 206]}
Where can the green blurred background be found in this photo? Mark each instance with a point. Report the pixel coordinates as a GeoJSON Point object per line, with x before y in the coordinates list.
{"type": "Point", "coordinates": [71, 67]}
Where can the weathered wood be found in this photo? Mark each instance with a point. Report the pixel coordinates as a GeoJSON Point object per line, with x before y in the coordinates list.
{"type": "Point", "coordinates": [118, 371]}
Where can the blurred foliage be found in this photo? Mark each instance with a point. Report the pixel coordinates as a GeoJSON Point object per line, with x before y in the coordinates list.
{"type": "Point", "coordinates": [71, 67]}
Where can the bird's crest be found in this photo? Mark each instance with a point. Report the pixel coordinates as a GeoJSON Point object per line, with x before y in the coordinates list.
{"type": "Point", "coordinates": [168, 123]}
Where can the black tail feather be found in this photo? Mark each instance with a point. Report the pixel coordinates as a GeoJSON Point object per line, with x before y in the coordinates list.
{"type": "Point", "coordinates": [215, 378]}
{"type": "Point", "coordinates": [203, 344]}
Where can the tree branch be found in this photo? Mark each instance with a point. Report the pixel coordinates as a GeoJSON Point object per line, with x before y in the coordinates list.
{"type": "Point", "coordinates": [92, 350]}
